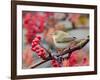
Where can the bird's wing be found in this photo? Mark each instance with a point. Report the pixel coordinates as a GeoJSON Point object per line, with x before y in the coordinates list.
{"type": "Point", "coordinates": [65, 39]}
{"type": "Point", "coordinates": [60, 36]}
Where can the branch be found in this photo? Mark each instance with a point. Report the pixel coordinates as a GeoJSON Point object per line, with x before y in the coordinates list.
{"type": "Point", "coordinates": [42, 62]}
{"type": "Point", "coordinates": [70, 50]}
{"type": "Point", "coordinates": [77, 47]}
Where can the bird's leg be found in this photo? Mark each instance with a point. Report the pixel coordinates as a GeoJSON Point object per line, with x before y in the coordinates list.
{"type": "Point", "coordinates": [59, 59]}
{"type": "Point", "coordinates": [69, 54]}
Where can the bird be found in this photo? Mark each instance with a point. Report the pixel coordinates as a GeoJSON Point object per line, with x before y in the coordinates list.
{"type": "Point", "coordinates": [62, 39]}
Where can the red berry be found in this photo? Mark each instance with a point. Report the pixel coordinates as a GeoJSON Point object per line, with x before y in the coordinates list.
{"type": "Point", "coordinates": [42, 50]}
{"type": "Point", "coordinates": [36, 40]}
{"type": "Point", "coordinates": [43, 57]}
{"type": "Point", "coordinates": [55, 63]}
{"type": "Point", "coordinates": [34, 49]}
{"type": "Point", "coordinates": [43, 53]}
{"type": "Point", "coordinates": [40, 54]}
{"type": "Point", "coordinates": [37, 47]}
{"type": "Point", "coordinates": [39, 37]}
{"type": "Point", "coordinates": [37, 51]}
{"type": "Point", "coordinates": [35, 43]}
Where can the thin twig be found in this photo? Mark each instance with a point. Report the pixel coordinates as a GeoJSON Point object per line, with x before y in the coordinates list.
{"type": "Point", "coordinates": [33, 66]}
{"type": "Point", "coordinates": [42, 62]}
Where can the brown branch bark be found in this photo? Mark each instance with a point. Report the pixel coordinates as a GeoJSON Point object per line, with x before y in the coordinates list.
{"type": "Point", "coordinates": [77, 47]}
{"type": "Point", "coordinates": [70, 50]}
{"type": "Point", "coordinates": [42, 62]}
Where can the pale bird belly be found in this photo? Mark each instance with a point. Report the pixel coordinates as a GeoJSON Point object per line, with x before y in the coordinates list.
{"type": "Point", "coordinates": [62, 45]}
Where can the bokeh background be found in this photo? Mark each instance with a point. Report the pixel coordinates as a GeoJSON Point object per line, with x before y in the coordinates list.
{"type": "Point", "coordinates": [45, 23]}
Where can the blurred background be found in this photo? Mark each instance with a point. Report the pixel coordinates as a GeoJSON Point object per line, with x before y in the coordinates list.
{"type": "Point", "coordinates": [46, 23]}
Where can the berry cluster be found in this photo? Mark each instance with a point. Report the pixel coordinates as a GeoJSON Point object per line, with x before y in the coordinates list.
{"type": "Point", "coordinates": [37, 48]}
{"type": "Point", "coordinates": [34, 23]}
{"type": "Point", "coordinates": [55, 63]}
